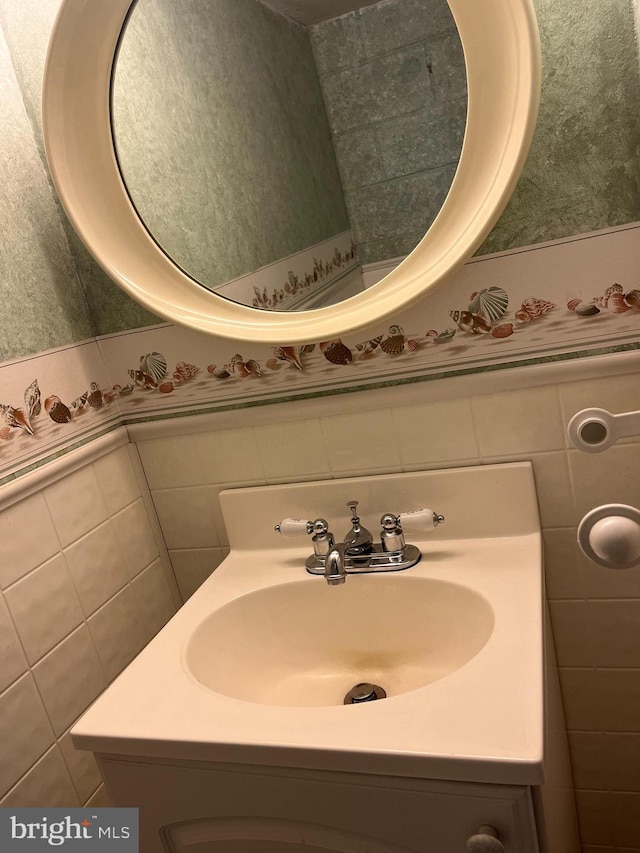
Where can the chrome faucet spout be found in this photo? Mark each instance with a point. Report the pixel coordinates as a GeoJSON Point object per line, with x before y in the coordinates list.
{"type": "Point", "coordinates": [334, 567]}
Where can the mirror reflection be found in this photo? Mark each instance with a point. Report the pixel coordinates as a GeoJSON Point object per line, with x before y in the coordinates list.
{"type": "Point", "coordinates": [282, 153]}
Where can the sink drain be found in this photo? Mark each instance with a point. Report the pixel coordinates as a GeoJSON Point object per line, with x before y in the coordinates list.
{"type": "Point", "coordinates": [364, 692]}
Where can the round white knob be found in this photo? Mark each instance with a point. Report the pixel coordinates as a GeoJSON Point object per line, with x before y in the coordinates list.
{"type": "Point", "coordinates": [293, 527]}
{"type": "Point", "coordinates": [419, 520]}
{"type": "Point", "coordinates": [485, 841]}
{"type": "Point", "coordinates": [610, 536]}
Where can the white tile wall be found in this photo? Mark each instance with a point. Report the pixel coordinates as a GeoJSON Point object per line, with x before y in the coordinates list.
{"type": "Point", "coordinates": [595, 612]}
{"type": "Point", "coordinates": [112, 595]}
{"type": "Point", "coordinates": [69, 557]}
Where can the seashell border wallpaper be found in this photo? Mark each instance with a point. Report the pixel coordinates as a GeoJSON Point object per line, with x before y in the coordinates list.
{"type": "Point", "coordinates": [567, 299]}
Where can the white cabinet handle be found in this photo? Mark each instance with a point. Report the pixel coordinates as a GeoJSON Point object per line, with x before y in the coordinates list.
{"type": "Point", "coordinates": [485, 841]}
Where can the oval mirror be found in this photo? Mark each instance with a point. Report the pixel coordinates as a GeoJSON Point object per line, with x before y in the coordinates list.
{"type": "Point", "coordinates": [230, 163]}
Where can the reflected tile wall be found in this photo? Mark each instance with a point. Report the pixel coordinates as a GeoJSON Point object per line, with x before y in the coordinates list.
{"type": "Point", "coordinates": [394, 84]}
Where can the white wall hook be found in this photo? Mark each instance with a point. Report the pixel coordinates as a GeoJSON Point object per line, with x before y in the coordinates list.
{"type": "Point", "coordinates": [610, 536]}
{"type": "Point", "coordinates": [594, 430]}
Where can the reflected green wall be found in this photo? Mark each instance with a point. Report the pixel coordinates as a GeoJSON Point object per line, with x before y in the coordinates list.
{"type": "Point", "coordinates": [582, 173]}
{"type": "Point", "coordinates": [222, 135]}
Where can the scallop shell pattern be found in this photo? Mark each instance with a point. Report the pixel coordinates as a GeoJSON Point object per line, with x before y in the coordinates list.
{"type": "Point", "coordinates": [155, 364]}
{"type": "Point", "coordinates": [502, 331]}
{"type": "Point", "coordinates": [491, 303]}
{"type": "Point", "coordinates": [393, 345]}
{"type": "Point", "coordinates": [537, 307]}
{"type": "Point", "coordinates": [572, 304]}
{"type": "Point", "coordinates": [336, 352]}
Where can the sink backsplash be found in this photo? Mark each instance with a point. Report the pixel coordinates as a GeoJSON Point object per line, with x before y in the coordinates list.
{"type": "Point", "coordinates": [459, 495]}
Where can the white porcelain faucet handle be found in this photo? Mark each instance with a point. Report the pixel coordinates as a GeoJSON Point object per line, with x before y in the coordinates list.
{"type": "Point", "coordinates": [419, 519]}
{"type": "Point", "coordinates": [294, 527]}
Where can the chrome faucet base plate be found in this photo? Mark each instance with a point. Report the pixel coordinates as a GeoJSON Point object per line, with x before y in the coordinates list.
{"type": "Point", "coordinates": [376, 561]}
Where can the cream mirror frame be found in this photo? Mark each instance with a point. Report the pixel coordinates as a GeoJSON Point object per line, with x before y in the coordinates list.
{"type": "Point", "coordinates": [502, 55]}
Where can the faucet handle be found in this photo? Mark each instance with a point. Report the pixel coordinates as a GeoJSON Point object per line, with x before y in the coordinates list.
{"type": "Point", "coordinates": [293, 527]}
{"type": "Point", "coordinates": [419, 520]}
{"type": "Point", "coordinates": [298, 527]}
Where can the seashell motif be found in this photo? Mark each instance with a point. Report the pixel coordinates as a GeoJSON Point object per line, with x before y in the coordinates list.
{"type": "Point", "coordinates": [572, 304]}
{"type": "Point", "coordinates": [523, 317]}
{"type": "Point", "coordinates": [336, 352]}
{"type": "Point", "coordinates": [616, 303]}
{"type": "Point", "coordinates": [16, 418]}
{"type": "Point", "coordinates": [536, 308]}
{"type": "Point", "coordinates": [307, 348]}
{"type": "Point", "coordinates": [5, 433]}
{"type": "Point", "coordinates": [272, 364]}
{"type": "Point", "coordinates": [253, 367]}
{"type": "Point", "coordinates": [155, 364]}
{"type": "Point", "coordinates": [79, 404]}
{"type": "Point", "coordinates": [165, 387]}
{"type": "Point", "coordinates": [632, 299]}
{"type": "Point", "coordinates": [185, 371]}
{"type": "Point", "coordinates": [124, 390]}
{"type": "Point", "coordinates": [474, 324]}
{"type": "Point", "coordinates": [503, 331]}
{"type": "Point", "coordinates": [237, 365]}
{"type": "Point", "coordinates": [367, 347]}
{"type": "Point", "coordinates": [94, 396]}
{"type": "Point", "coordinates": [109, 396]}
{"type": "Point", "coordinates": [492, 303]}
{"type": "Point", "coordinates": [32, 399]}
{"type": "Point", "coordinates": [414, 344]}
{"type": "Point", "coordinates": [586, 309]}
{"type": "Point", "coordinates": [442, 337]}
{"type": "Point", "coordinates": [394, 344]}
{"type": "Point", "coordinates": [290, 354]}
{"type": "Point", "coordinates": [143, 380]}
{"type": "Point", "coordinates": [614, 288]}
{"type": "Point", "coordinates": [221, 373]}
{"type": "Point", "coordinates": [57, 410]}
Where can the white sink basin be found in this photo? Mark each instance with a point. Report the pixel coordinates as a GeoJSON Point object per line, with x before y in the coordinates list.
{"type": "Point", "coordinates": [254, 668]}
{"type": "Point", "coordinates": [308, 644]}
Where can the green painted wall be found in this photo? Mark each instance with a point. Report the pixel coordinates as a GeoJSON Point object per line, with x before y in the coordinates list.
{"type": "Point", "coordinates": [582, 173]}
{"type": "Point", "coordinates": [43, 304]}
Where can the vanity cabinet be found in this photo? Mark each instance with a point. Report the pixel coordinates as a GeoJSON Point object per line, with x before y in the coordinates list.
{"type": "Point", "coordinates": [191, 807]}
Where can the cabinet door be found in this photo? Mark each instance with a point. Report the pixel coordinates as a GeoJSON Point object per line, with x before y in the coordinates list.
{"type": "Point", "coordinates": [189, 810]}
{"type": "Point", "coordinates": [247, 835]}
